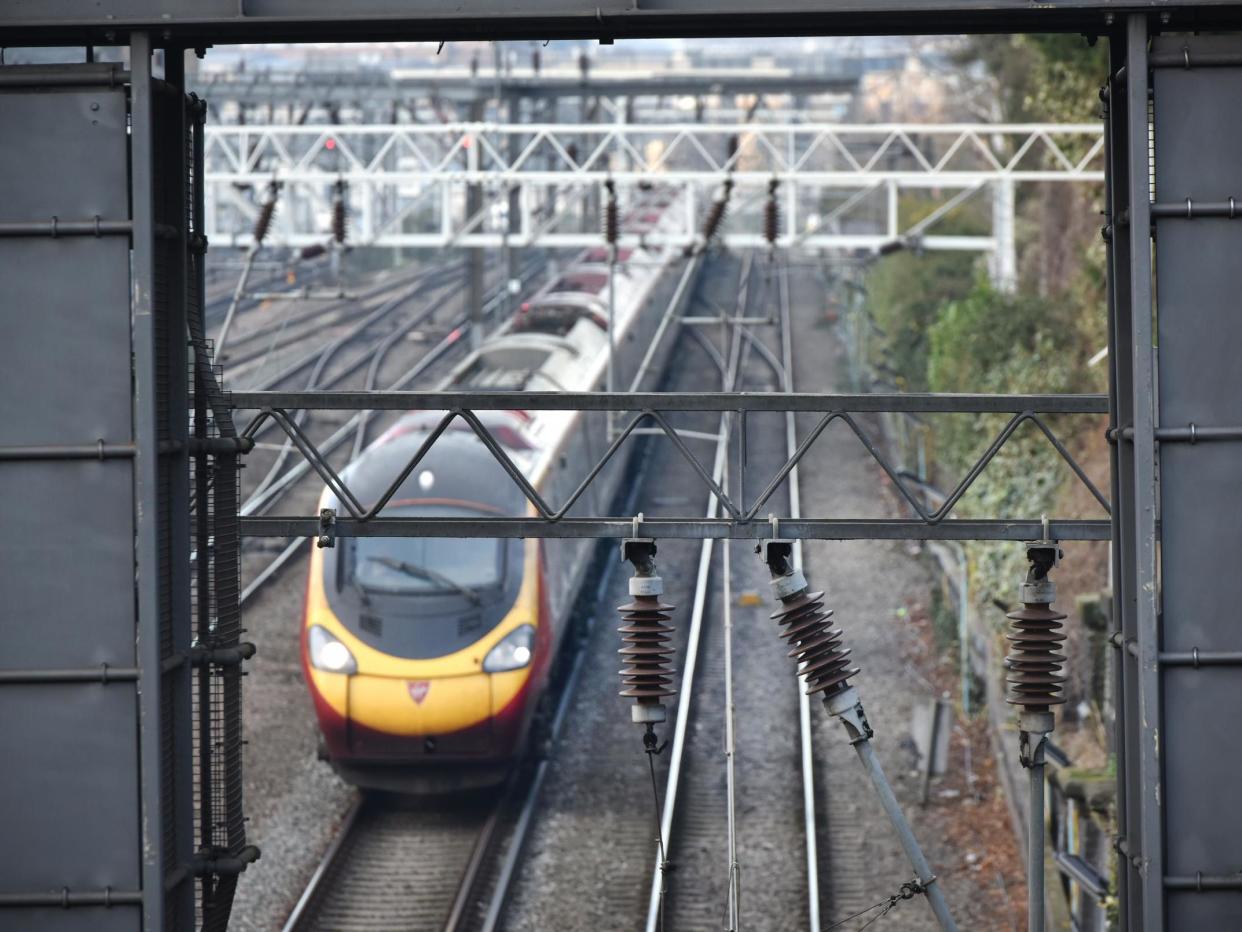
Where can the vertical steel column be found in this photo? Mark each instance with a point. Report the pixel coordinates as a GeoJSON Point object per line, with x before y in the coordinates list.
{"type": "Point", "coordinates": [176, 194]}
{"type": "Point", "coordinates": [474, 259]}
{"type": "Point", "coordinates": [1005, 252]}
{"type": "Point", "coordinates": [146, 476]}
{"type": "Point", "coordinates": [203, 496]}
{"type": "Point", "coordinates": [513, 218]}
{"type": "Point", "coordinates": [1141, 548]}
{"type": "Point", "coordinates": [892, 213]}
{"type": "Point", "coordinates": [1121, 414]}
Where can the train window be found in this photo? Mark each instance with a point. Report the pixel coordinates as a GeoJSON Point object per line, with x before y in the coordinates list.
{"type": "Point", "coordinates": [593, 282]}
{"type": "Point", "coordinates": [554, 319]}
{"type": "Point", "coordinates": [439, 566]}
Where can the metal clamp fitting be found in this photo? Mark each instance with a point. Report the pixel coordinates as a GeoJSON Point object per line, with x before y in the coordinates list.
{"type": "Point", "coordinates": [327, 528]}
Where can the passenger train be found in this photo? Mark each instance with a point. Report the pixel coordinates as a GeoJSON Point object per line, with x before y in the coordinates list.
{"type": "Point", "coordinates": [426, 659]}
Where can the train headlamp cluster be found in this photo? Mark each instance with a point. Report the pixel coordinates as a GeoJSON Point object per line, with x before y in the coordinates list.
{"type": "Point", "coordinates": [328, 653]}
{"type": "Point", "coordinates": [512, 652]}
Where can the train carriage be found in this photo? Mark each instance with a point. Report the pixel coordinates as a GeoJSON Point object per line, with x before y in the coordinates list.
{"type": "Point", "coordinates": [426, 658]}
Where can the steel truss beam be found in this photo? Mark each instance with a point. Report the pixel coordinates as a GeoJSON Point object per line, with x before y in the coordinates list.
{"type": "Point", "coordinates": [742, 519]}
{"type": "Point", "coordinates": [460, 85]}
{"type": "Point", "coordinates": [200, 22]}
{"type": "Point", "coordinates": [839, 185]}
{"type": "Point", "coordinates": [676, 528]}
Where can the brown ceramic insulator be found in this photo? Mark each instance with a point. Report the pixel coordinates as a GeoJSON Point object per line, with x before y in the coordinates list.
{"type": "Point", "coordinates": [816, 644]}
{"type": "Point", "coordinates": [612, 221]}
{"type": "Point", "coordinates": [263, 223]}
{"type": "Point", "coordinates": [340, 221]}
{"type": "Point", "coordinates": [1034, 664]}
{"type": "Point", "coordinates": [648, 651]}
{"type": "Point", "coordinates": [715, 217]}
{"type": "Point", "coordinates": [771, 220]}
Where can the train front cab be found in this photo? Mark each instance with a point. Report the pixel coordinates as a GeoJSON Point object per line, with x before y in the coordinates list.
{"type": "Point", "coordinates": [426, 657]}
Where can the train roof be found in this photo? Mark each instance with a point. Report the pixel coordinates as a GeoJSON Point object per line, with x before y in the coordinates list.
{"type": "Point", "coordinates": [557, 342]}
{"type": "Point", "coordinates": [457, 469]}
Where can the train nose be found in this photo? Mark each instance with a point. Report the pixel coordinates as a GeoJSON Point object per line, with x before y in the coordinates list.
{"type": "Point", "coordinates": [446, 715]}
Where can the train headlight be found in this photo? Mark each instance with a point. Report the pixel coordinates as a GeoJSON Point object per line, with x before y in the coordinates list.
{"type": "Point", "coordinates": [327, 653]}
{"type": "Point", "coordinates": [512, 652]}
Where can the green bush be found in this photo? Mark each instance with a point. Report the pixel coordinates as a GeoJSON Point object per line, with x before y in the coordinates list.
{"type": "Point", "coordinates": [989, 341]}
{"type": "Point", "coordinates": [906, 291]}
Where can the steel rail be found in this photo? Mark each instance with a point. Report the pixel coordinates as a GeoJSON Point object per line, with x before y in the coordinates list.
{"type": "Point", "coordinates": [734, 867]}
{"type": "Point", "coordinates": [321, 355]}
{"type": "Point", "coordinates": [262, 499]}
{"type": "Point", "coordinates": [308, 323]}
{"type": "Point", "coordinates": [336, 858]}
{"type": "Point", "coordinates": [521, 831]}
{"type": "Point", "coordinates": [805, 729]}
{"type": "Point", "coordinates": [366, 302]}
{"type": "Point", "coordinates": [478, 857]}
{"type": "Point", "coordinates": [686, 685]}
{"type": "Point", "coordinates": [302, 909]}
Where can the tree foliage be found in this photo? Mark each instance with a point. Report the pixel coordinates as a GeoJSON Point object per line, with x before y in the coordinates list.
{"type": "Point", "coordinates": [942, 327]}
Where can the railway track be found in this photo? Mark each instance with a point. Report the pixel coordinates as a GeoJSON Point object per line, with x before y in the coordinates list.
{"type": "Point", "coordinates": [598, 775]}
{"type": "Point", "coordinates": [271, 339]}
{"type": "Point", "coordinates": [404, 863]}
{"type": "Point", "coordinates": [707, 837]}
{"type": "Point", "coordinates": [397, 865]}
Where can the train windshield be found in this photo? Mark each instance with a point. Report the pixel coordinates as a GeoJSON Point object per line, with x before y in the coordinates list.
{"type": "Point", "coordinates": [428, 565]}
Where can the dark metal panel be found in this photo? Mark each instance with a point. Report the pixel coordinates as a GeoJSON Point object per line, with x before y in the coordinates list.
{"type": "Point", "coordinates": [95, 918]}
{"type": "Point", "coordinates": [61, 829]}
{"type": "Point", "coordinates": [68, 804]}
{"type": "Point", "coordinates": [73, 137]}
{"type": "Point", "coordinates": [47, 362]}
{"type": "Point", "coordinates": [1201, 779]}
{"type": "Point", "coordinates": [57, 611]}
{"type": "Point", "coordinates": [1198, 145]}
{"type": "Point", "coordinates": [65, 149]}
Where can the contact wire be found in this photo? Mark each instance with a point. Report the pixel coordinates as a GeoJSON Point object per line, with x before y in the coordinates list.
{"type": "Point", "coordinates": [655, 793]}
{"type": "Point", "coordinates": [730, 784]}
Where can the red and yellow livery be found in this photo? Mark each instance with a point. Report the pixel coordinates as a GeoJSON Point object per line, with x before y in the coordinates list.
{"type": "Point", "coordinates": [426, 658]}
